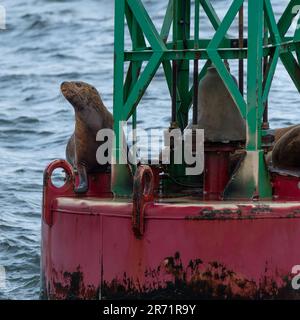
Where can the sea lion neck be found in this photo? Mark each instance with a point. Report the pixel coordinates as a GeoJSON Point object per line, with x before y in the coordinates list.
{"type": "Point", "coordinates": [90, 118]}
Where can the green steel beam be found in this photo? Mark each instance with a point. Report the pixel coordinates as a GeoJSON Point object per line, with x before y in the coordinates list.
{"type": "Point", "coordinates": [251, 181]}
{"type": "Point", "coordinates": [296, 39]}
{"type": "Point", "coordinates": [287, 17]}
{"type": "Point", "coordinates": [203, 43]}
{"type": "Point", "coordinates": [158, 46]}
{"type": "Point", "coordinates": [287, 58]}
{"type": "Point", "coordinates": [121, 182]}
{"type": "Point", "coordinates": [181, 31]}
{"type": "Point", "coordinates": [136, 33]}
{"type": "Point", "coordinates": [196, 23]}
{"type": "Point", "coordinates": [138, 41]}
{"type": "Point", "coordinates": [225, 24]}
{"type": "Point", "coordinates": [182, 48]}
{"type": "Point", "coordinates": [168, 20]}
{"type": "Point", "coordinates": [129, 79]}
{"type": "Point", "coordinates": [164, 33]}
{"type": "Point", "coordinates": [283, 25]}
{"type": "Point", "coordinates": [292, 67]}
{"type": "Point", "coordinates": [141, 85]}
{"type": "Point", "coordinates": [271, 22]}
{"type": "Point", "coordinates": [146, 25]}
{"type": "Point", "coordinates": [119, 64]}
{"type": "Point", "coordinates": [271, 68]}
{"type": "Point", "coordinates": [276, 38]}
{"type": "Point", "coordinates": [224, 53]}
{"type": "Point", "coordinates": [211, 13]}
{"type": "Point", "coordinates": [262, 184]}
{"type": "Point", "coordinates": [254, 74]}
{"type": "Point", "coordinates": [217, 61]}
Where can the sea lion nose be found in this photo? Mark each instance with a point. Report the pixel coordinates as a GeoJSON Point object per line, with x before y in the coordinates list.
{"type": "Point", "coordinates": [64, 86]}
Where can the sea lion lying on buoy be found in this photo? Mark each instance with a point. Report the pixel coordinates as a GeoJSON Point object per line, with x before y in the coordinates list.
{"type": "Point", "coordinates": [236, 157]}
{"type": "Point", "coordinates": [91, 116]}
{"type": "Point", "coordinates": [277, 135]}
{"type": "Point", "coordinates": [286, 152]}
{"type": "Point", "coordinates": [282, 131]}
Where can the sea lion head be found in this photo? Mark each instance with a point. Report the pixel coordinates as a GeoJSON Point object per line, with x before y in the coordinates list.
{"type": "Point", "coordinates": [88, 105]}
{"type": "Point", "coordinates": [80, 94]}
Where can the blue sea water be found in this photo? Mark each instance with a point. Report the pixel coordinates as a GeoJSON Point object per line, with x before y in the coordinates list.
{"type": "Point", "coordinates": [47, 42]}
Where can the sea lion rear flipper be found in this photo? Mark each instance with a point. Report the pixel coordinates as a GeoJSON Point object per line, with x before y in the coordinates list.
{"type": "Point", "coordinates": [83, 185]}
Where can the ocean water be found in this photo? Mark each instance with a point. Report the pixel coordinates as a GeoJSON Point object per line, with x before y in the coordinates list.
{"type": "Point", "coordinates": [47, 42]}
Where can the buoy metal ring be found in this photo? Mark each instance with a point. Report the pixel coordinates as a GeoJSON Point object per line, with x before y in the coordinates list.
{"type": "Point", "coordinates": [143, 192]}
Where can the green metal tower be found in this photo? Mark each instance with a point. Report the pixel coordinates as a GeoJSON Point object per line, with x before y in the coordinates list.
{"type": "Point", "coordinates": [265, 45]}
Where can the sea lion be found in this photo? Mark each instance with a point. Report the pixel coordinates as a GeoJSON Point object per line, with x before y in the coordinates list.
{"type": "Point", "coordinates": [236, 157]}
{"type": "Point", "coordinates": [282, 131]}
{"type": "Point", "coordinates": [286, 152]}
{"type": "Point", "coordinates": [90, 115]}
{"type": "Point", "coordinates": [278, 133]}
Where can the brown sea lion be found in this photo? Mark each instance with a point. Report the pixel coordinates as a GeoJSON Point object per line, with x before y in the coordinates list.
{"type": "Point", "coordinates": [280, 132]}
{"type": "Point", "coordinates": [90, 115]}
{"type": "Point", "coordinates": [286, 152]}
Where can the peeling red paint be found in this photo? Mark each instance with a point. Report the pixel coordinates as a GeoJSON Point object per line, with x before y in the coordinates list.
{"type": "Point", "coordinates": [198, 280]}
{"type": "Point", "coordinates": [71, 286]}
{"type": "Point", "coordinates": [228, 250]}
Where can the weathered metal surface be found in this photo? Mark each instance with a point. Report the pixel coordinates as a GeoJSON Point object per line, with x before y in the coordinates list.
{"type": "Point", "coordinates": [285, 187]}
{"type": "Point", "coordinates": [216, 173]}
{"type": "Point", "coordinates": [198, 280]}
{"type": "Point", "coordinates": [251, 180]}
{"type": "Point", "coordinates": [50, 192]}
{"type": "Point", "coordinates": [72, 286]}
{"type": "Point", "coordinates": [99, 186]}
{"type": "Point", "coordinates": [143, 192]}
{"type": "Point", "coordinates": [213, 250]}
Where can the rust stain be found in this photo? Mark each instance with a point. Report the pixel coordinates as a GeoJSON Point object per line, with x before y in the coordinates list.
{"type": "Point", "coordinates": [171, 279]}
{"type": "Point", "coordinates": [71, 288]}
{"type": "Point", "coordinates": [243, 211]}
{"type": "Point", "coordinates": [261, 209]}
{"type": "Point", "coordinates": [197, 280]}
{"type": "Point", "coordinates": [215, 213]}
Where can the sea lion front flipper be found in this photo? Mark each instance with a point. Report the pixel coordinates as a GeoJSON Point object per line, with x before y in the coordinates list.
{"type": "Point", "coordinates": [83, 185]}
{"type": "Point", "coordinates": [70, 151]}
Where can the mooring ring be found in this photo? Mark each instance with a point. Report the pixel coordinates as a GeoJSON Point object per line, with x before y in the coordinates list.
{"type": "Point", "coordinates": [143, 192]}
{"type": "Point", "coordinates": [58, 164]}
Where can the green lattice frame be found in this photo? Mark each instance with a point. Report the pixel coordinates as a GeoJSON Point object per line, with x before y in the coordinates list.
{"type": "Point", "coordinates": [128, 92]}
